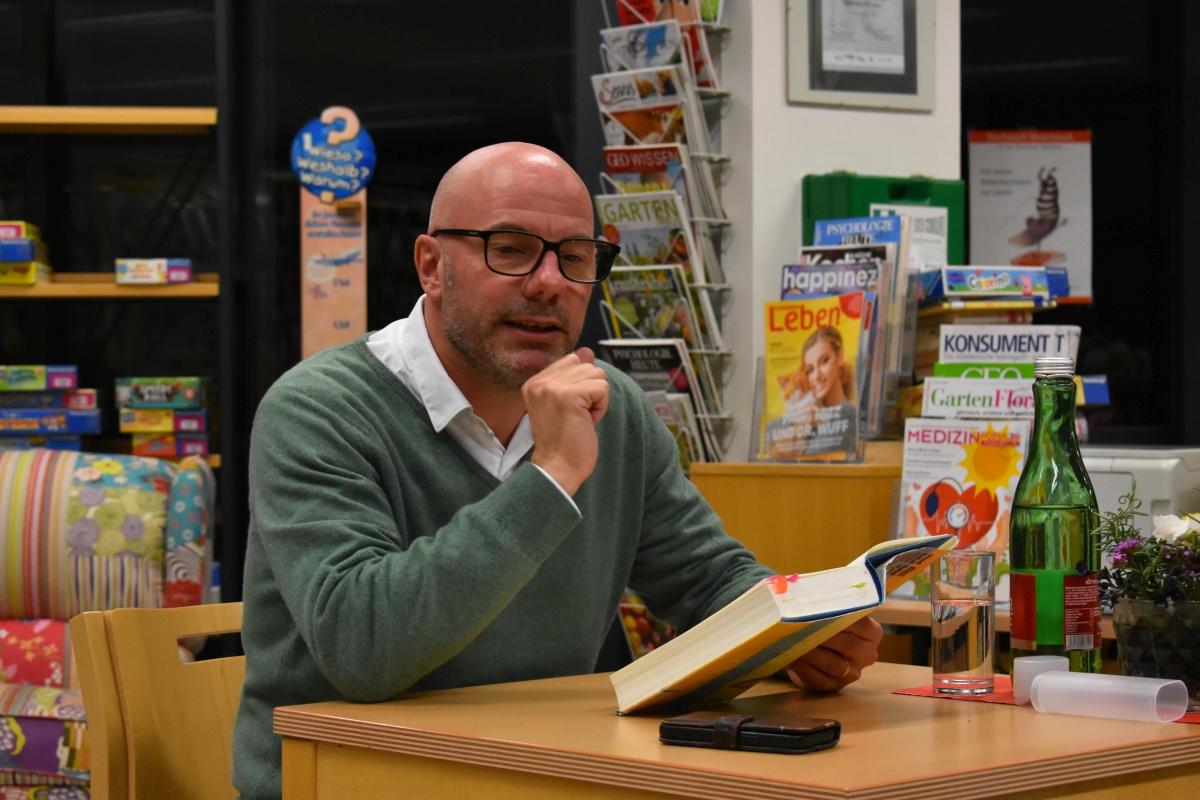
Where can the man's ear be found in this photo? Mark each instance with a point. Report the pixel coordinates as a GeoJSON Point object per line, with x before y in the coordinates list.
{"type": "Point", "coordinates": [427, 255]}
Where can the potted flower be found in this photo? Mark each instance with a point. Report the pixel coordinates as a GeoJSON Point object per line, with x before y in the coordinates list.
{"type": "Point", "coordinates": [1153, 586]}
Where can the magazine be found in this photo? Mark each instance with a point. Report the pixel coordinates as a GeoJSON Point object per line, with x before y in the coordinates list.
{"type": "Point", "coordinates": [660, 168]}
{"type": "Point", "coordinates": [630, 12]}
{"type": "Point", "coordinates": [641, 45]}
{"type": "Point", "coordinates": [675, 410]}
{"type": "Point", "coordinates": [768, 627]}
{"type": "Point", "coordinates": [899, 300]}
{"type": "Point", "coordinates": [839, 277]}
{"type": "Point", "coordinates": [651, 303]}
{"type": "Point", "coordinates": [959, 477]}
{"type": "Point", "coordinates": [650, 106]}
{"type": "Point", "coordinates": [663, 365]}
{"type": "Point", "coordinates": [652, 229]}
{"type": "Point", "coordinates": [1004, 343]}
{"type": "Point", "coordinates": [809, 401]}
{"type": "Point", "coordinates": [658, 44]}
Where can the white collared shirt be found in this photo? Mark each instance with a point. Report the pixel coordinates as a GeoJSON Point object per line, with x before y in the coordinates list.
{"type": "Point", "coordinates": [405, 349]}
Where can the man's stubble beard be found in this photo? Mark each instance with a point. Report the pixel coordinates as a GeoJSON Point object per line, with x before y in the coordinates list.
{"type": "Point", "coordinates": [469, 336]}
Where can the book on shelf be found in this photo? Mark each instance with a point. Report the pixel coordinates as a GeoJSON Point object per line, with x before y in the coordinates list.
{"type": "Point", "coordinates": [664, 365]}
{"type": "Point", "coordinates": [652, 229]}
{"type": "Point", "coordinates": [807, 396]}
{"type": "Point", "coordinates": [768, 627]}
{"type": "Point", "coordinates": [958, 477]}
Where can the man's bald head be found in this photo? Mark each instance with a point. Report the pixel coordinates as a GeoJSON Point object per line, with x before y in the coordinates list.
{"type": "Point", "coordinates": [478, 177]}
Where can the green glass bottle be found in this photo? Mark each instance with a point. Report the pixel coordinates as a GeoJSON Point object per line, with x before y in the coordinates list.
{"type": "Point", "coordinates": [1054, 550]}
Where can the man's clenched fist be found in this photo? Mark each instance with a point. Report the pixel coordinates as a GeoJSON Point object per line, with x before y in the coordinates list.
{"type": "Point", "coordinates": [564, 402]}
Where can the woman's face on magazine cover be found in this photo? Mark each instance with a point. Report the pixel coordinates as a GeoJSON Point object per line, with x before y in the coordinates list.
{"type": "Point", "coordinates": [823, 366]}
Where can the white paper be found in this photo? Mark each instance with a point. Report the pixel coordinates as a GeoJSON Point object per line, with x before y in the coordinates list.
{"type": "Point", "coordinates": [862, 36]}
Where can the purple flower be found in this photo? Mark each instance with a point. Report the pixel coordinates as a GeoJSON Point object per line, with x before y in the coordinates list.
{"type": "Point", "coordinates": [1118, 559]}
{"type": "Point", "coordinates": [82, 535]}
{"type": "Point", "coordinates": [91, 496]}
{"type": "Point", "coordinates": [133, 529]}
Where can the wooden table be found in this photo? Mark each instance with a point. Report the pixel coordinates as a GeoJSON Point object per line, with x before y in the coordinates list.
{"type": "Point", "coordinates": [561, 738]}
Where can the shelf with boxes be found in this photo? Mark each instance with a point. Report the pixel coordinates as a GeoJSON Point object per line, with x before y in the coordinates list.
{"type": "Point", "coordinates": [41, 283]}
{"type": "Point", "coordinates": [100, 286]}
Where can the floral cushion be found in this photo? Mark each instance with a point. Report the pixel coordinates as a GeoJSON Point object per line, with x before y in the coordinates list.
{"type": "Point", "coordinates": [91, 531]}
{"type": "Point", "coordinates": [42, 739]}
{"type": "Point", "coordinates": [37, 652]}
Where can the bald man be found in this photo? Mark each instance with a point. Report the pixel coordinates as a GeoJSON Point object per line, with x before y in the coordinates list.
{"type": "Point", "coordinates": [462, 496]}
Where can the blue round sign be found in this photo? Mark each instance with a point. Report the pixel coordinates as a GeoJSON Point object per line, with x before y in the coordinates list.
{"type": "Point", "coordinates": [333, 155]}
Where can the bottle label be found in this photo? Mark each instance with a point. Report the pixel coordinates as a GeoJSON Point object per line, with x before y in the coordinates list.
{"type": "Point", "coordinates": [1081, 611]}
{"type": "Point", "coordinates": [1023, 631]}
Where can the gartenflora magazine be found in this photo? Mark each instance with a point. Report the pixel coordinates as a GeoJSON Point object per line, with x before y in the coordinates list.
{"type": "Point", "coordinates": [809, 394]}
{"type": "Point", "coordinates": [959, 477]}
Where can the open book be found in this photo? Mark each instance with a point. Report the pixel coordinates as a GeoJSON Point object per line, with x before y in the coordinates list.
{"type": "Point", "coordinates": [768, 627]}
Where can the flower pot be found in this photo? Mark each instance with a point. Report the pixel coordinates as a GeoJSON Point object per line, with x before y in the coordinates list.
{"type": "Point", "coordinates": [1160, 642]}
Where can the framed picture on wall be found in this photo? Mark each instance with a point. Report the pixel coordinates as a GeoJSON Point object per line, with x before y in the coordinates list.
{"type": "Point", "coordinates": [870, 53]}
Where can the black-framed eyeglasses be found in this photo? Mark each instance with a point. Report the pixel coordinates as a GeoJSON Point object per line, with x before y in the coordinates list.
{"type": "Point", "coordinates": [520, 253]}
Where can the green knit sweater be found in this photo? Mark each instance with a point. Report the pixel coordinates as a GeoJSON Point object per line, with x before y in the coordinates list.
{"type": "Point", "coordinates": [382, 558]}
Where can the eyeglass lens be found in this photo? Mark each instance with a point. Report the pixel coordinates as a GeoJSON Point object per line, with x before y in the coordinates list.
{"type": "Point", "coordinates": [516, 253]}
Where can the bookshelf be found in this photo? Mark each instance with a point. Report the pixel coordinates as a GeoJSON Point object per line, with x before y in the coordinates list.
{"type": "Point", "coordinates": [113, 120]}
{"type": "Point", "coordinates": [101, 286]}
{"type": "Point", "coordinates": [107, 119]}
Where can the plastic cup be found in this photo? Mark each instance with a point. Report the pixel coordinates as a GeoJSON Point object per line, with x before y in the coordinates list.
{"type": "Point", "coordinates": [1112, 696]}
{"type": "Point", "coordinates": [1026, 668]}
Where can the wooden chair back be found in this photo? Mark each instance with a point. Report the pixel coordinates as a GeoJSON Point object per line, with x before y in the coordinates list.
{"type": "Point", "coordinates": [173, 721]}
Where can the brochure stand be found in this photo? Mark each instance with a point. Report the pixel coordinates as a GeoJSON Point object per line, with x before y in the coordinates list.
{"type": "Point", "coordinates": [662, 90]}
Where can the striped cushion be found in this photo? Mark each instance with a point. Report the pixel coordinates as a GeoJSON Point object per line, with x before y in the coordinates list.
{"type": "Point", "coordinates": [86, 531]}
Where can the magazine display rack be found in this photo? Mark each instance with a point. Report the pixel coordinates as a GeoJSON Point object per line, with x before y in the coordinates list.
{"type": "Point", "coordinates": [660, 104]}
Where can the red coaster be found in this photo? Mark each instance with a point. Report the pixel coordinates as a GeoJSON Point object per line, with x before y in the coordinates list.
{"type": "Point", "coordinates": [1002, 695]}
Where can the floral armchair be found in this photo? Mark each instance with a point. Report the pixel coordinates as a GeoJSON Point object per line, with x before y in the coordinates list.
{"type": "Point", "coordinates": [82, 532]}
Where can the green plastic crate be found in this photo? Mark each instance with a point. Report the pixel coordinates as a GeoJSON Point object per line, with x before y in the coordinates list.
{"type": "Point", "coordinates": [837, 195]}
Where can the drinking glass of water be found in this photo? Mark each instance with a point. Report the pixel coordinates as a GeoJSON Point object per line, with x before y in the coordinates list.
{"type": "Point", "coordinates": [963, 627]}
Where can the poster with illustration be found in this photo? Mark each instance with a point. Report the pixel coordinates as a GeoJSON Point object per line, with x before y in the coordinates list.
{"type": "Point", "coordinates": [959, 477]}
{"type": "Point", "coordinates": [1031, 202]}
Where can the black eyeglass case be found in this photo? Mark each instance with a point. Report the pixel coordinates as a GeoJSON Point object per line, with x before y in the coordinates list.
{"type": "Point", "coordinates": [726, 730]}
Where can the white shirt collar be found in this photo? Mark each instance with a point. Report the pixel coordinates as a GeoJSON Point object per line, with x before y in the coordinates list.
{"type": "Point", "coordinates": [404, 348]}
